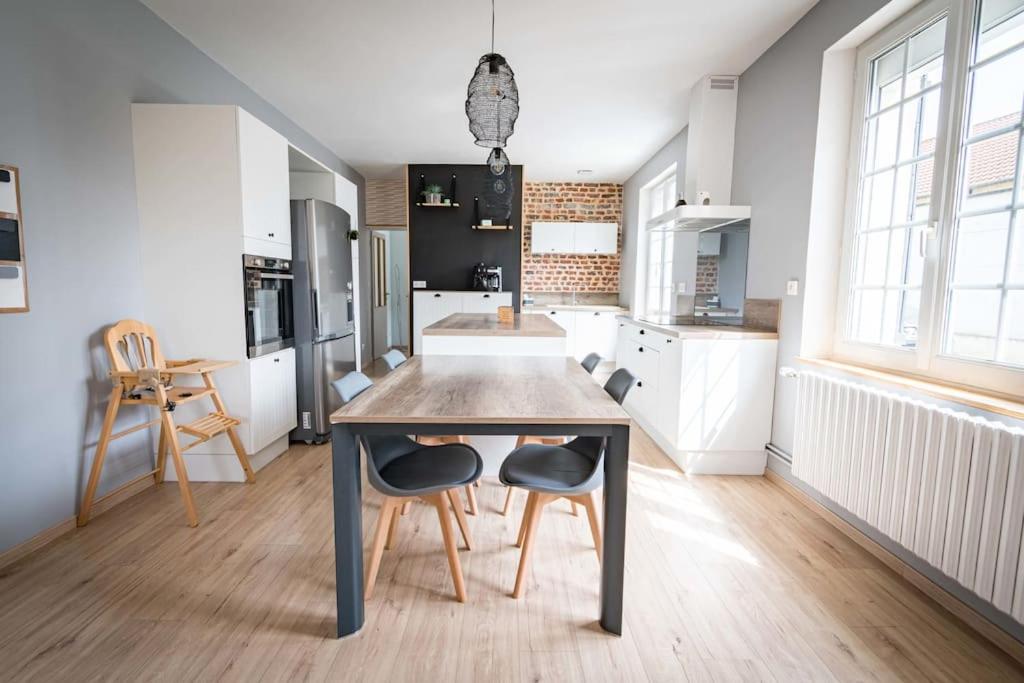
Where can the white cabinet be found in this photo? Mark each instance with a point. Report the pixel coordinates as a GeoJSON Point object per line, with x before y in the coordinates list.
{"type": "Point", "coordinates": [574, 238]}
{"type": "Point", "coordinates": [709, 244]}
{"type": "Point", "coordinates": [263, 171]}
{"type": "Point", "coordinates": [272, 411]}
{"type": "Point", "coordinates": [567, 321]}
{"type": "Point", "coordinates": [706, 402]}
{"type": "Point", "coordinates": [595, 332]}
{"type": "Point", "coordinates": [551, 238]}
{"type": "Point", "coordinates": [485, 302]}
{"type": "Point", "coordinates": [429, 307]}
{"type": "Point", "coordinates": [595, 238]}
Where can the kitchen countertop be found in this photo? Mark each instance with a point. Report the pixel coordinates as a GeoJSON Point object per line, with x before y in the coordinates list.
{"type": "Point", "coordinates": [487, 324]}
{"type": "Point", "coordinates": [536, 308]}
{"type": "Point", "coordinates": [716, 328]}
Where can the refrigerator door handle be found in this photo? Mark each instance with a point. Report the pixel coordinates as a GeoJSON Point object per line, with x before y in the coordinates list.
{"type": "Point", "coordinates": [316, 315]}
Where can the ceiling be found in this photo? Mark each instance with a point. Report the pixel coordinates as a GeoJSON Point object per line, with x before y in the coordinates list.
{"type": "Point", "coordinates": [602, 83]}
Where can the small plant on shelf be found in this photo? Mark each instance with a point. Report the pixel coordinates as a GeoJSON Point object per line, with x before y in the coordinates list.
{"type": "Point", "coordinates": [432, 194]}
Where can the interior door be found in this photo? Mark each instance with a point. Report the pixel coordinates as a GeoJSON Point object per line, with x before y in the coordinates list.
{"type": "Point", "coordinates": [379, 309]}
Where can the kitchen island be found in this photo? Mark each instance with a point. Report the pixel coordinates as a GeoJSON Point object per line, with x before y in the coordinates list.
{"type": "Point", "coordinates": [482, 334]}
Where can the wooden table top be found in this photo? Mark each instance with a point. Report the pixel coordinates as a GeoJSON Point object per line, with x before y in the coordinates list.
{"type": "Point", "coordinates": [487, 324]}
{"type": "Point", "coordinates": [485, 390]}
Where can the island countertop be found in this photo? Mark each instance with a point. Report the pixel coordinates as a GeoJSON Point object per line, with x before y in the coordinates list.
{"type": "Point", "coordinates": [488, 325]}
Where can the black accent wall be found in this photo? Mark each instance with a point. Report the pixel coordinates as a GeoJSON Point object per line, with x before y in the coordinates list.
{"type": "Point", "coordinates": [443, 247]}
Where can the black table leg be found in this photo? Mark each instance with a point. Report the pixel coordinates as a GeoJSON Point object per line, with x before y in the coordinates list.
{"type": "Point", "coordinates": [616, 475]}
{"type": "Point", "coordinates": [348, 529]}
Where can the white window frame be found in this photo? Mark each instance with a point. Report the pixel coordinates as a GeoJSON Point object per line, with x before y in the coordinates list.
{"type": "Point", "coordinates": [645, 213]}
{"type": "Point", "coordinates": [928, 358]}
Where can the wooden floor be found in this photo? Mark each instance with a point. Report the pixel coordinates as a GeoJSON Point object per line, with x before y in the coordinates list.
{"type": "Point", "coordinates": [726, 579]}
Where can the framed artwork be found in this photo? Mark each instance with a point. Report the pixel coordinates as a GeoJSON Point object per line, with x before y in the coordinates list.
{"type": "Point", "coordinates": [13, 278]}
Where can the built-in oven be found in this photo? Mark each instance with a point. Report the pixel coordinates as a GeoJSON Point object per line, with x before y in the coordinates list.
{"type": "Point", "coordinates": [269, 323]}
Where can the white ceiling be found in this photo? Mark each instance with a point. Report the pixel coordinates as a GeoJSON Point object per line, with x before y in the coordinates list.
{"type": "Point", "coordinates": [602, 83]}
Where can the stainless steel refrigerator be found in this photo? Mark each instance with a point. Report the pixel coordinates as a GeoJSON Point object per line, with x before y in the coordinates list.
{"type": "Point", "coordinates": [325, 347]}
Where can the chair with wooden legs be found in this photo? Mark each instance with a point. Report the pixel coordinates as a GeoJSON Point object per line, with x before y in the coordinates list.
{"type": "Point", "coordinates": [574, 471]}
{"type": "Point", "coordinates": [393, 359]}
{"type": "Point", "coordinates": [402, 469]}
{"type": "Point", "coordinates": [589, 363]}
{"type": "Point", "coordinates": [143, 377]}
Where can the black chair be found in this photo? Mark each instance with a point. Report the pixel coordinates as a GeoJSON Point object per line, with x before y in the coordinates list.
{"type": "Point", "coordinates": [574, 471]}
{"type": "Point", "coordinates": [401, 469]}
{"type": "Point", "coordinates": [589, 363]}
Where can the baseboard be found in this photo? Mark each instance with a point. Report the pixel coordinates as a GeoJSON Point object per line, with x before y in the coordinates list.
{"type": "Point", "coordinates": [965, 613]}
{"type": "Point", "coordinates": [743, 463]}
{"type": "Point", "coordinates": [47, 536]}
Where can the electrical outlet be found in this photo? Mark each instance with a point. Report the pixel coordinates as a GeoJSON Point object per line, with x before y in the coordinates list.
{"type": "Point", "coordinates": [793, 288]}
{"type": "Point", "coordinates": [419, 284]}
{"type": "Point", "coordinates": [306, 420]}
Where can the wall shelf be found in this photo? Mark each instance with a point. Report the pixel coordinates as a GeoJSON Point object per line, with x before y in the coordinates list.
{"type": "Point", "coordinates": [494, 227]}
{"type": "Point", "coordinates": [453, 205]}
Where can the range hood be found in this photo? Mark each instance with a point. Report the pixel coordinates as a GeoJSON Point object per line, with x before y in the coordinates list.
{"type": "Point", "coordinates": [708, 176]}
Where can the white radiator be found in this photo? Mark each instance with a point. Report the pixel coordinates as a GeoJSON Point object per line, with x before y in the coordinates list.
{"type": "Point", "coordinates": [946, 486]}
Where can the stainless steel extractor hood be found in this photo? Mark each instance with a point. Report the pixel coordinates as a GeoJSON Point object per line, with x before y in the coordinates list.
{"type": "Point", "coordinates": [708, 175]}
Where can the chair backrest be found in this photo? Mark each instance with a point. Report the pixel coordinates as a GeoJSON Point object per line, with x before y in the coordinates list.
{"type": "Point", "coordinates": [619, 384]}
{"type": "Point", "coordinates": [393, 358]}
{"type": "Point", "coordinates": [132, 346]}
{"type": "Point", "coordinates": [591, 362]}
{"type": "Point", "coordinates": [351, 385]}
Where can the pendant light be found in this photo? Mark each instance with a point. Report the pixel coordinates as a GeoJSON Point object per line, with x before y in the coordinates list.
{"type": "Point", "coordinates": [497, 161]}
{"type": "Point", "coordinates": [492, 99]}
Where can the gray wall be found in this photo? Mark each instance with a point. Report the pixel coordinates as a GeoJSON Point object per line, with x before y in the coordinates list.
{"type": "Point", "coordinates": [776, 124]}
{"type": "Point", "coordinates": [68, 73]}
{"type": "Point", "coordinates": [674, 151]}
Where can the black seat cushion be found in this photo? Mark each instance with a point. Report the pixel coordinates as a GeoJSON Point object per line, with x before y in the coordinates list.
{"type": "Point", "coordinates": [433, 466]}
{"type": "Point", "coordinates": [553, 468]}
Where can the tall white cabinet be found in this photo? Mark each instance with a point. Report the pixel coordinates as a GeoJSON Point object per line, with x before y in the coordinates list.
{"type": "Point", "coordinates": [212, 184]}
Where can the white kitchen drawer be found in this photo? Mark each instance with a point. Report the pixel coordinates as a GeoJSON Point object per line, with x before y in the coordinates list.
{"type": "Point", "coordinates": [596, 332]}
{"type": "Point", "coordinates": [485, 302]}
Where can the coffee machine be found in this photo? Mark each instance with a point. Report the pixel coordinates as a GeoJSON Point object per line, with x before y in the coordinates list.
{"type": "Point", "coordinates": [486, 278]}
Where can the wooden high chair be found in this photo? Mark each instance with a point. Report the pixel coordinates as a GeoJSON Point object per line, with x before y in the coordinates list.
{"type": "Point", "coordinates": [142, 376]}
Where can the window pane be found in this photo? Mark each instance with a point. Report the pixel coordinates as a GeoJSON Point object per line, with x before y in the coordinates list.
{"type": "Point", "coordinates": [920, 123]}
{"type": "Point", "coordinates": [874, 247]}
{"type": "Point", "coordinates": [991, 165]}
{"type": "Point", "coordinates": [996, 95]}
{"type": "Point", "coordinates": [974, 317]}
{"type": "Point", "coordinates": [881, 144]}
{"type": "Point", "coordinates": [1011, 345]}
{"type": "Point", "coordinates": [869, 315]}
{"type": "Point", "coordinates": [897, 257]}
{"type": "Point", "coordinates": [1015, 275]}
{"type": "Point", "coordinates": [877, 211]}
{"type": "Point", "coordinates": [981, 249]}
{"type": "Point", "coordinates": [1002, 26]}
{"type": "Point", "coordinates": [925, 55]}
{"type": "Point", "coordinates": [887, 79]}
{"type": "Point", "coordinates": [913, 193]}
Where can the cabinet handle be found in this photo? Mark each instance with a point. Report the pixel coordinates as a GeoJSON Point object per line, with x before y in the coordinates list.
{"type": "Point", "coordinates": [641, 349]}
{"type": "Point", "coordinates": [639, 384]}
{"type": "Point", "coordinates": [554, 312]}
{"type": "Point", "coordinates": [596, 313]}
{"type": "Point", "coordinates": [643, 332]}
{"type": "Point", "coordinates": [270, 234]}
{"type": "Point", "coordinates": [277, 360]}
{"type": "Point", "coordinates": [437, 296]}
{"type": "Point", "coordinates": [668, 341]}
{"type": "Point", "coordinates": [487, 296]}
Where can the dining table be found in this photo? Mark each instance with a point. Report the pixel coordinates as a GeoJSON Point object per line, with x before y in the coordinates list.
{"type": "Point", "coordinates": [478, 395]}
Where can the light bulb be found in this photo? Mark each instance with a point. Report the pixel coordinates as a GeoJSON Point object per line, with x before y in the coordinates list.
{"type": "Point", "coordinates": [497, 161]}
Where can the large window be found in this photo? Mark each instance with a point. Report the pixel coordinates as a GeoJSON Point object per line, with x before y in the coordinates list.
{"type": "Point", "coordinates": [934, 249]}
{"type": "Point", "coordinates": [659, 197]}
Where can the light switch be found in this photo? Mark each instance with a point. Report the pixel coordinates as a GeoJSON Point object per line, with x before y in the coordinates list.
{"type": "Point", "coordinates": [681, 287]}
{"type": "Point", "coordinates": [793, 287]}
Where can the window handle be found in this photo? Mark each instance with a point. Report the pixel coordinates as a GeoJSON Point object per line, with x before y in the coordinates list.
{"type": "Point", "coordinates": [927, 233]}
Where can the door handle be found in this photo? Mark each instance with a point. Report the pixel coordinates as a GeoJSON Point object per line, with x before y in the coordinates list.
{"type": "Point", "coordinates": [316, 313]}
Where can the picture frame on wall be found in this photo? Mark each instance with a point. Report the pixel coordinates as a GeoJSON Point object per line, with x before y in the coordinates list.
{"type": "Point", "coordinates": [13, 275]}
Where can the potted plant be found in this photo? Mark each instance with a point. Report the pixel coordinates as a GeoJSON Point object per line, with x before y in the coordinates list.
{"type": "Point", "coordinates": [432, 194]}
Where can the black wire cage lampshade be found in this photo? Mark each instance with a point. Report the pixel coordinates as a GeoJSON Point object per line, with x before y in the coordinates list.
{"type": "Point", "coordinates": [492, 101]}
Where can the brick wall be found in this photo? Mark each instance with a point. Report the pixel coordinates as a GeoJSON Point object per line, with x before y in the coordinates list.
{"type": "Point", "coordinates": [707, 275]}
{"type": "Point", "coordinates": [577, 202]}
